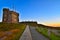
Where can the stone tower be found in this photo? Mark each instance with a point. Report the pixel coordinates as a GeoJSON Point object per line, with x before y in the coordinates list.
{"type": "Point", "coordinates": [10, 16]}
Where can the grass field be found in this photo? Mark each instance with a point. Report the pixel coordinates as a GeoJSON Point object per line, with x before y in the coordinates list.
{"type": "Point", "coordinates": [11, 31]}
{"type": "Point", "coordinates": [44, 32]}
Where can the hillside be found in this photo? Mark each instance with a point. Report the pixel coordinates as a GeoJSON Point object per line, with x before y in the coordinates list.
{"type": "Point", "coordinates": [11, 31]}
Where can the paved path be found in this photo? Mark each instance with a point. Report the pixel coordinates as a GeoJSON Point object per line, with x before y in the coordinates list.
{"type": "Point", "coordinates": [31, 34]}
{"type": "Point", "coordinates": [26, 34]}
{"type": "Point", "coordinates": [36, 35]}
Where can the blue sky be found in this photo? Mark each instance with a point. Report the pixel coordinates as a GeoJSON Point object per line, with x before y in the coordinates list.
{"type": "Point", "coordinates": [42, 11]}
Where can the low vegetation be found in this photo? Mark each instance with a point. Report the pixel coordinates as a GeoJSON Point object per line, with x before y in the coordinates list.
{"type": "Point", "coordinates": [54, 37]}
{"type": "Point", "coordinates": [11, 31]}
{"type": "Point", "coordinates": [44, 31]}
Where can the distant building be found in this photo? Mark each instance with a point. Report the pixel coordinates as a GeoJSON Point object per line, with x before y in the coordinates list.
{"type": "Point", "coordinates": [10, 16]}
{"type": "Point", "coordinates": [31, 23]}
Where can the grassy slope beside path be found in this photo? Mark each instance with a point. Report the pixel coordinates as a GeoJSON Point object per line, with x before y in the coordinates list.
{"type": "Point", "coordinates": [11, 31]}
{"type": "Point", "coordinates": [44, 31]}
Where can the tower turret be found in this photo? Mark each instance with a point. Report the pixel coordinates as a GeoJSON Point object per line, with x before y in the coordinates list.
{"type": "Point", "coordinates": [5, 14]}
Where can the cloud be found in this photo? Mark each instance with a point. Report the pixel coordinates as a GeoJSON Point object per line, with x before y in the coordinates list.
{"type": "Point", "coordinates": [0, 20]}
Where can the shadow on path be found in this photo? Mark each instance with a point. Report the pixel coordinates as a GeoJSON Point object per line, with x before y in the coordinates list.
{"type": "Point", "coordinates": [36, 35]}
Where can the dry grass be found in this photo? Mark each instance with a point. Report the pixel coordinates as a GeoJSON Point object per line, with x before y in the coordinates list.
{"type": "Point", "coordinates": [11, 31]}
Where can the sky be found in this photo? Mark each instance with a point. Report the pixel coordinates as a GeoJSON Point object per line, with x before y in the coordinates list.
{"type": "Point", "coordinates": [43, 11]}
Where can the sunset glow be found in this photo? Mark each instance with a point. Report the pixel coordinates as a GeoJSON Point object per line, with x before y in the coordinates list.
{"type": "Point", "coordinates": [53, 24]}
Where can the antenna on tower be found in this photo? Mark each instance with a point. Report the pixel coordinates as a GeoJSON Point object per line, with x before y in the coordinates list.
{"type": "Point", "coordinates": [13, 6]}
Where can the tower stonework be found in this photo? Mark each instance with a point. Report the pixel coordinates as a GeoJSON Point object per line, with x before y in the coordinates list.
{"type": "Point", "coordinates": [10, 16]}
